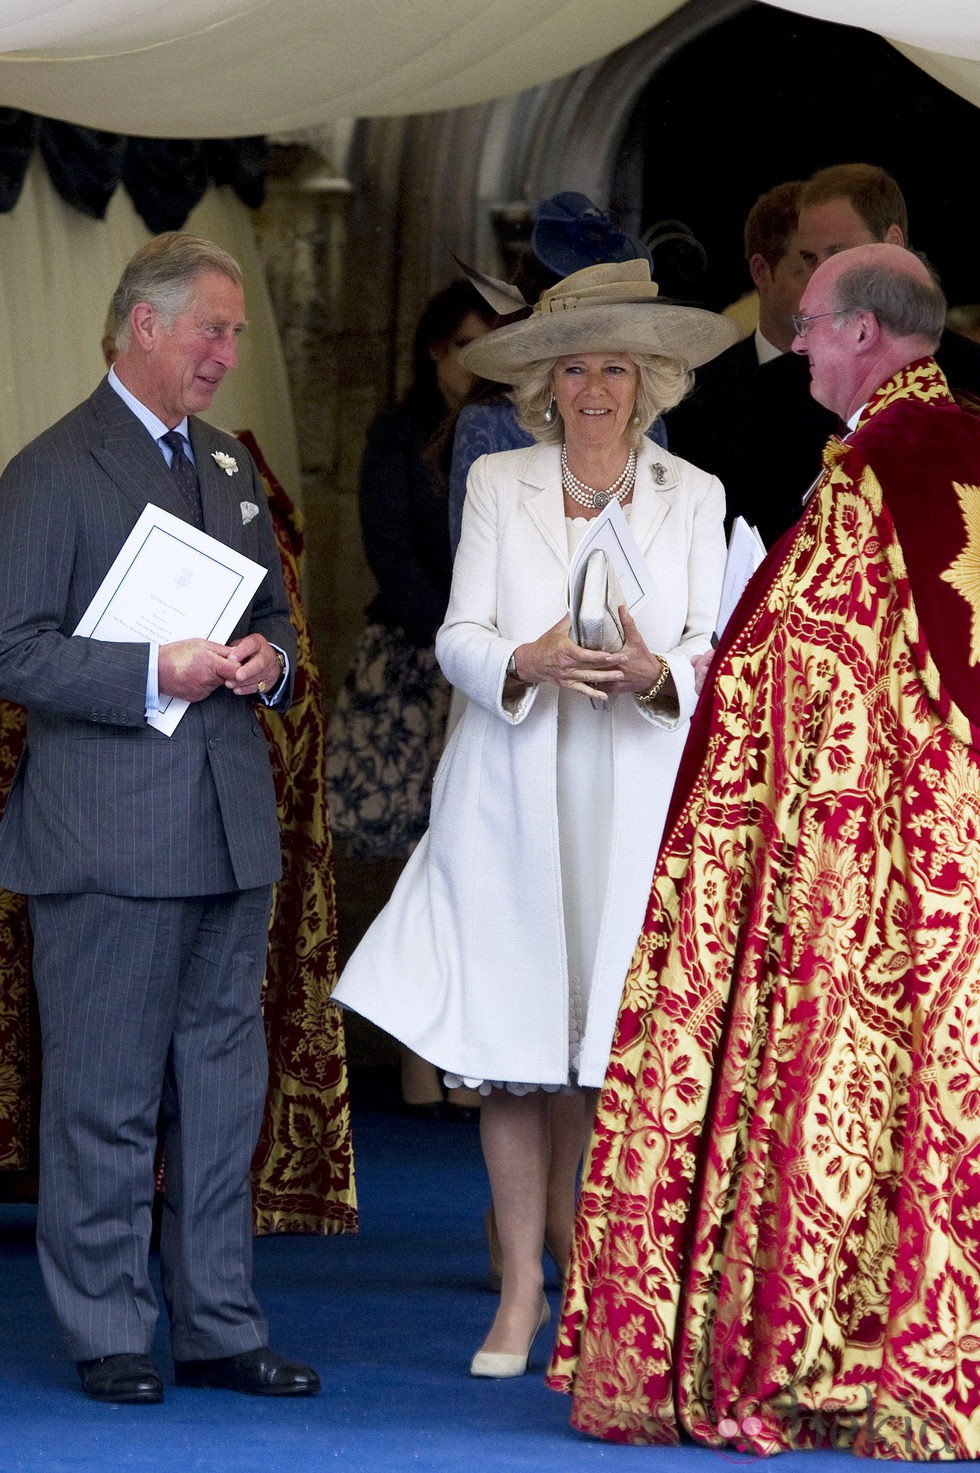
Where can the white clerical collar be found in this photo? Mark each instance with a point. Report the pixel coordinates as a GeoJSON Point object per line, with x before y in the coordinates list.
{"type": "Point", "coordinates": [145, 416]}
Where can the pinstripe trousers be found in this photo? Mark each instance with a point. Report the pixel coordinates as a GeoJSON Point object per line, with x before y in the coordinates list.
{"type": "Point", "coordinates": [151, 1021]}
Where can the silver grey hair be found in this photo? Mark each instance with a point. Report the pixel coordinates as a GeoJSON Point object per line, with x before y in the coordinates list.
{"type": "Point", "coordinates": [661, 383]}
{"type": "Point", "coordinates": [164, 273]}
{"type": "Point", "coordinates": [903, 303]}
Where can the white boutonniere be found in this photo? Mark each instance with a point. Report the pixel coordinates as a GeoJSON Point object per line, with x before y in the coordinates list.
{"type": "Point", "coordinates": [227, 463]}
{"type": "Point", "coordinates": [249, 510]}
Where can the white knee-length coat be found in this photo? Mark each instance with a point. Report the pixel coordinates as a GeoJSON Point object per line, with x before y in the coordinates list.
{"type": "Point", "coordinates": [467, 963]}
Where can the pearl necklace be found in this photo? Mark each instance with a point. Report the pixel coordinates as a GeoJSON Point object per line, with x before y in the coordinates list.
{"type": "Point", "coordinates": [587, 495]}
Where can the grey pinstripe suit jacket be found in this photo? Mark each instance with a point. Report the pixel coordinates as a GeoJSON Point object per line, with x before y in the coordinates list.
{"type": "Point", "coordinates": [101, 801]}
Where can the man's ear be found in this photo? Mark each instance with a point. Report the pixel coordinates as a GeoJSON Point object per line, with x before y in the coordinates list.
{"type": "Point", "coordinates": [760, 271]}
{"type": "Point", "coordinates": [869, 331]}
{"type": "Point", "coordinates": [894, 236]}
{"type": "Point", "coordinates": [144, 324]}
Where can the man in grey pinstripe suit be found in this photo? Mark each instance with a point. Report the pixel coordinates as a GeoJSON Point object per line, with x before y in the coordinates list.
{"type": "Point", "coordinates": [148, 860]}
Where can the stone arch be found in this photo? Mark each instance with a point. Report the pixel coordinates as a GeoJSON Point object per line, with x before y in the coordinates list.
{"type": "Point", "coordinates": [467, 179]}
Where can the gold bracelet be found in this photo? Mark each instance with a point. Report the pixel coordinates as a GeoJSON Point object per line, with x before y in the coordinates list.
{"type": "Point", "coordinates": [646, 696]}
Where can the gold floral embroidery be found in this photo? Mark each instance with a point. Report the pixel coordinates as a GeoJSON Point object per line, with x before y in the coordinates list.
{"type": "Point", "coordinates": [964, 574]}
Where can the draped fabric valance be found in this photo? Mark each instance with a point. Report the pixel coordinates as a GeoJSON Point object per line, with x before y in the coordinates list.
{"type": "Point", "coordinates": [164, 178]}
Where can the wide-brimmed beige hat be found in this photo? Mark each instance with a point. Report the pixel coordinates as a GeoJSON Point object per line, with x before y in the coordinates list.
{"type": "Point", "coordinates": [613, 308]}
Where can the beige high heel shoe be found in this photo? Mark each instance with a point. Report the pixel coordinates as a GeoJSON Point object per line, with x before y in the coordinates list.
{"type": "Point", "coordinates": [500, 1365]}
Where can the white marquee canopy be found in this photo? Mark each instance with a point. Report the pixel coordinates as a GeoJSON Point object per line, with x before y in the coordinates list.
{"type": "Point", "coordinates": [219, 68]}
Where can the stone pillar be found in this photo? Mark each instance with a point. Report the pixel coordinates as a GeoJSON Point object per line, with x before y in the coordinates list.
{"type": "Point", "coordinates": [303, 235]}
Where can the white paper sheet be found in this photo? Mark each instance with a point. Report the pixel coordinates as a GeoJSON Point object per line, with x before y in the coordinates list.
{"type": "Point", "coordinates": [611, 531]}
{"type": "Point", "coordinates": [746, 550]}
{"type": "Point", "coordinates": [170, 581]}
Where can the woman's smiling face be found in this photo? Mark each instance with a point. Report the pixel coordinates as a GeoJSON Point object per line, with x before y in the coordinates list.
{"type": "Point", "coordinates": [595, 394]}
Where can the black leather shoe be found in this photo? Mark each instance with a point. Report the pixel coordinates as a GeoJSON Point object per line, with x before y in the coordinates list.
{"type": "Point", "coordinates": [258, 1372]}
{"type": "Point", "coordinates": [120, 1378]}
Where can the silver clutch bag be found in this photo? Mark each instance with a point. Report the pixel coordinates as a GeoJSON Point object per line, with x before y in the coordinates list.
{"type": "Point", "coordinates": [598, 621]}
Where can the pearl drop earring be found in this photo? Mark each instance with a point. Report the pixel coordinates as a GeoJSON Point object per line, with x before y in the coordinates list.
{"type": "Point", "coordinates": [549, 414]}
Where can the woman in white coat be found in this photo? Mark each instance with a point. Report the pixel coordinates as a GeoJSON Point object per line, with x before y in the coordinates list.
{"type": "Point", "coordinates": [502, 952]}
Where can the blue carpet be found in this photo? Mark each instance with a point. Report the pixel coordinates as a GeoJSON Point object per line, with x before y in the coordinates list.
{"type": "Point", "coordinates": [389, 1318]}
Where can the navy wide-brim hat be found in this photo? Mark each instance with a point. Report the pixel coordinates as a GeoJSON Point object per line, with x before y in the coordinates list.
{"type": "Point", "coordinates": [571, 232]}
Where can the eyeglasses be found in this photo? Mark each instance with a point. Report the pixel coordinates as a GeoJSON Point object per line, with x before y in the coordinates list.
{"type": "Point", "coordinates": [802, 321]}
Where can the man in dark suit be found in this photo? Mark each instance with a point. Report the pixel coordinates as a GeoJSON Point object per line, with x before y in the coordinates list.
{"type": "Point", "coordinates": [840, 207]}
{"type": "Point", "coordinates": [148, 859]}
{"type": "Point", "coordinates": [708, 427]}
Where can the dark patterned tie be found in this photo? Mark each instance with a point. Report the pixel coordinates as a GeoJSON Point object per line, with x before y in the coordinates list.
{"type": "Point", "coordinates": [183, 472]}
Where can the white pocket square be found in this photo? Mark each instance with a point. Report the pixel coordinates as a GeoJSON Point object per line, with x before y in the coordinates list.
{"type": "Point", "coordinates": [249, 510]}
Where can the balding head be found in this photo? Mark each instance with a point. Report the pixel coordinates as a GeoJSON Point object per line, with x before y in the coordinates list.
{"type": "Point", "coordinates": [879, 308]}
{"type": "Point", "coordinates": [894, 283]}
